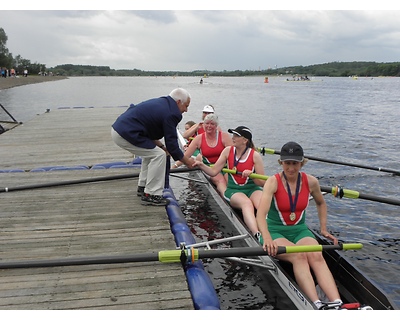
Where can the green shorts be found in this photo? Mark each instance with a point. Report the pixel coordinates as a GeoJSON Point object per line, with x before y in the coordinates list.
{"type": "Point", "coordinates": [247, 190]}
{"type": "Point", "coordinates": [292, 233]}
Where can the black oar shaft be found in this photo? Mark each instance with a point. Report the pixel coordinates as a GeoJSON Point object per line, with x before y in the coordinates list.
{"type": "Point", "coordinates": [79, 181]}
{"type": "Point", "coordinates": [396, 172]}
{"type": "Point", "coordinates": [337, 192]}
{"type": "Point", "coordinates": [80, 261]}
{"type": "Point", "coordinates": [173, 256]}
{"type": "Point", "coordinates": [355, 165]}
{"type": "Point", "coordinates": [71, 182]}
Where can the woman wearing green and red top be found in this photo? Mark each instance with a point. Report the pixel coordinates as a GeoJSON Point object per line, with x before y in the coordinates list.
{"type": "Point", "coordinates": [281, 220]}
{"type": "Point", "coordinates": [242, 192]}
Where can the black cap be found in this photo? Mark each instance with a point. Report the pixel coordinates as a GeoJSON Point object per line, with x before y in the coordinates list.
{"type": "Point", "coordinates": [242, 131]}
{"type": "Point", "coordinates": [292, 151]}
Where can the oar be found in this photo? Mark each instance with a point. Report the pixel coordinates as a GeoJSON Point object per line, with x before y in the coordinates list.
{"type": "Point", "coordinates": [272, 151]}
{"type": "Point", "coordinates": [87, 180]}
{"type": "Point", "coordinates": [170, 256]}
{"type": "Point", "coordinates": [252, 175]}
{"type": "Point", "coordinates": [186, 178]}
{"type": "Point", "coordinates": [337, 191]}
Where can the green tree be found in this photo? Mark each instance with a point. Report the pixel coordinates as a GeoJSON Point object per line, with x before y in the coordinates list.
{"type": "Point", "coordinates": [20, 64]}
{"type": "Point", "coordinates": [4, 54]}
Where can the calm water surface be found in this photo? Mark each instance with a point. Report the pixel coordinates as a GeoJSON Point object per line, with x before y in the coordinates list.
{"type": "Point", "coordinates": [355, 121]}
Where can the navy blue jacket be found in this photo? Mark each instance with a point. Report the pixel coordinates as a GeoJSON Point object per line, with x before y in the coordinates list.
{"type": "Point", "coordinates": [151, 120]}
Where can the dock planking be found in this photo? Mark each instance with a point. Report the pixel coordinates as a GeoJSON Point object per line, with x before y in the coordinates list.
{"type": "Point", "coordinates": [94, 219]}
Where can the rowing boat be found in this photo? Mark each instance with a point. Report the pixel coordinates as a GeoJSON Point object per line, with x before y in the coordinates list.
{"type": "Point", "coordinates": [356, 289]}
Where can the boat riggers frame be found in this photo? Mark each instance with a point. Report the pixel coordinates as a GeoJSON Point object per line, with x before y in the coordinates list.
{"type": "Point", "coordinates": [184, 256]}
{"type": "Point", "coordinates": [87, 180]}
{"type": "Point", "coordinates": [337, 191]}
{"type": "Point", "coordinates": [264, 151]}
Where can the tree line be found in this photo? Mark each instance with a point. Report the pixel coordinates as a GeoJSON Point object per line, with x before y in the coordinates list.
{"type": "Point", "coordinates": [18, 63]}
{"type": "Point", "coordinates": [331, 69]}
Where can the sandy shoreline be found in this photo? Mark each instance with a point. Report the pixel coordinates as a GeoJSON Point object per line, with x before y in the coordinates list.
{"type": "Point", "coordinates": [10, 82]}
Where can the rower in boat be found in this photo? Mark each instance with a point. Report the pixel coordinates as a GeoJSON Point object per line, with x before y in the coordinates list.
{"type": "Point", "coordinates": [281, 219]}
{"type": "Point", "coordinates": [242, 192]}
{"type": "Point", "coordinates": [210, 143]}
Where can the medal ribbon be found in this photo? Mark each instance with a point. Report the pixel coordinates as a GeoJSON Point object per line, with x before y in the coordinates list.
{"type": "Point", "coordinates": [296, 197]}
{"type": "Point", "coordinates": [235, 162]}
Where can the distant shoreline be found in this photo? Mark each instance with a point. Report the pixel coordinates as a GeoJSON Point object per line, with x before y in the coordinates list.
{"type": "Point", "coordinates": [11, 82]}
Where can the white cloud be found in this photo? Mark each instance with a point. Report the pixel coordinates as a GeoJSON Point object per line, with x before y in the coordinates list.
{"type": "Point", "coordinates": [202, 39]}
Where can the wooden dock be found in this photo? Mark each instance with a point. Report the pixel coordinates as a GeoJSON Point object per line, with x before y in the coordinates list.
{"type": "Point", "coordinates": [97, 219]}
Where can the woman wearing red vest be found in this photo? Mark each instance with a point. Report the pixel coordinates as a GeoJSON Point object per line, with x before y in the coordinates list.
{"type": "Point", "coordinates": [211, 143]}
{"type": "Point", "coordinates": [242, 192]}
{"type": "Point", "coordinates": [281, 220]}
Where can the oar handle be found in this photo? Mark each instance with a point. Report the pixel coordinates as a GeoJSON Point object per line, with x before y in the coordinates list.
{"type": "Point", "coordinates": [315, 248]}
{"type": "Point", "coordinates": [252, 175]}
{"type": "Point", "coordinates": [264, 151]}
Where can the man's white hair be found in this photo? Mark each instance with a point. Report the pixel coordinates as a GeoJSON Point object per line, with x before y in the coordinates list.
{"type": "Point", "coordinates": [180, 94]}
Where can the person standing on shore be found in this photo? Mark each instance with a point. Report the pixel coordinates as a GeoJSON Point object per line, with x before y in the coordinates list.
{"type": "Point", "coordinates": [139, 130]}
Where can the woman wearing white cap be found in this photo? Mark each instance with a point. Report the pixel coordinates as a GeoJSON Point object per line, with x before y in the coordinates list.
{"type": "Point", "coordinates": [198, 128]}
{"type": "Point", "coordinates": [242, 192]}
{"type": "Point", "coordinates": [281, 220]}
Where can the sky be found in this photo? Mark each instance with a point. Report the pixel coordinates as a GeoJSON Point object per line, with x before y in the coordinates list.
{"type": "Point", "coordinates": [178, 36]}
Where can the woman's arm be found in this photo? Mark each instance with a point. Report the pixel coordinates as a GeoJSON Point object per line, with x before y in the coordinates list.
{"type": "Point", "coordinates": [269, 189]}
{"type": "Point", "coordinates": [191, 131]}
{"type": "Point", "coordinates": [217, 167]}
{"type": "Point", "coordinates": [196, 144]}
{"type": "Point", "coordinates": [258, 168]}
{"type": "Point", "coordinates": [322, 209]}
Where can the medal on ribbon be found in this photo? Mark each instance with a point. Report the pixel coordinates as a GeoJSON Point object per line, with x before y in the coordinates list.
{"type": "Point", "coordinates": [293, 204]}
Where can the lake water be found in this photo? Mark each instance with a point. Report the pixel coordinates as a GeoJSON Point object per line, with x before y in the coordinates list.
{"type": "Point", "coordinates": [354, 121]}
